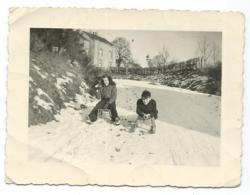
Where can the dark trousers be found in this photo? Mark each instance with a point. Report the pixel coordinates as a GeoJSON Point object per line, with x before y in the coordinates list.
{"type": "Point", "coordinates": [100, 105]}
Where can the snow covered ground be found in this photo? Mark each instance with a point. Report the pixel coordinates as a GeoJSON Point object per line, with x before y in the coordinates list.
{"type": "Point", "coordinates": [189, 109]}
{"type": "Point", "coordinates": [188, 132]}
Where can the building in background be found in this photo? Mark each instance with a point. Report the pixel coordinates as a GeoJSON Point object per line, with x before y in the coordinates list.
{"type": "Point", "coordinates": [101, 52]}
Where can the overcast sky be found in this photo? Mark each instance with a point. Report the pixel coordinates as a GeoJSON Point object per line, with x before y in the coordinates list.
{"type": "Point", "coordinates": [180, 44]}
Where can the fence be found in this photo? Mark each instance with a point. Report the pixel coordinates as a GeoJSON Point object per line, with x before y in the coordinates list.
{"type": "Point", "coordinates": [191, 64]}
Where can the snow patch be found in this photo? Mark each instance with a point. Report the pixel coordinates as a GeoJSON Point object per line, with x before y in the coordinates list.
{"type": "Point", "coordinates": [41, 92]}
{"type": "Point", "coordinates": [42, 103]}
{"type": "Point", "coordinates": [67, 79]}
{"type": "Point", "coordinates": [38, 70]}
{"type": "Point", "coordinates": [43, 76]}
{"type": "Point", "coordinates": [36, 67]}
{"type": "Point", "coordinates": [31, 80]}
{"type": "Point", "coordinates": [83, 87]}
{"type": "Point", "coordinates": [61, 82]}
{"type": "Point", "coordinates": [70, 74]}
{"type": "Point", "coordinates": [85, 99]}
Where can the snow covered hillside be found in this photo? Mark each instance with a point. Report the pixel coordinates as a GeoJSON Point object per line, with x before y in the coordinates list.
{"type": "Point", "coordinates": [206, 81]}
{"type": "Point", "coordinates": [53, 82]}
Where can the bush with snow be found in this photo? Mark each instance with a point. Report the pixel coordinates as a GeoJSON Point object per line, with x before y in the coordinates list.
{"type": "Point", "coordinates": [205, 81]}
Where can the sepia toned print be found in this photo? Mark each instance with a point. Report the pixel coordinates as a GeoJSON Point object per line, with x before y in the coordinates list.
{"type": "Point", "coordinates": [141, 105]}
{"type": "Point", "coordinates": [180, 123]}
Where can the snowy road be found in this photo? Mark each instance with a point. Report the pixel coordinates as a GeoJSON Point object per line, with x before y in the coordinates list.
{"type": "Point", "coordinates": [188, 109]}
{"type": "Point", "coordinates": [187, 132]}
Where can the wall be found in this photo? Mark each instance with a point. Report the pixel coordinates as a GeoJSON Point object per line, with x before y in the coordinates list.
{"type": "Point", "coordinates": [104, 55]}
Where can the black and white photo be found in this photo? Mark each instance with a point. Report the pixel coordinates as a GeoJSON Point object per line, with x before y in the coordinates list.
{"type": "Point", "coordinates": [124, 97]}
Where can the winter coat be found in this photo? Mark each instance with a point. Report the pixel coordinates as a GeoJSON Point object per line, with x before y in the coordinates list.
{"type": "Point", "coordinates": [150, 108]}
{"type": "Point", "coordinates": [108, 92]}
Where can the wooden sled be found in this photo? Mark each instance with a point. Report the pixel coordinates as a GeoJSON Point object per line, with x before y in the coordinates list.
{"type": "Point", "coordinates": [104, 114]}
{"type": "Point", "coordinates": [142, 125]}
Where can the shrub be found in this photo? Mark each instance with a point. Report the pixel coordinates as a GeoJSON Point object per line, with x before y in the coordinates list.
{"type": "Point", "coordinates": [213, 71]}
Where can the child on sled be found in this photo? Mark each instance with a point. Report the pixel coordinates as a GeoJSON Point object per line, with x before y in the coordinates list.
{"type": "Point", "coordinates": [146, 110]}
{"type": "Point", "coordinates": [108, 92]}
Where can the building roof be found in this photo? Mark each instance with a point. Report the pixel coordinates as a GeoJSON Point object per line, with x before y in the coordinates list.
{"type": "Point", "coordinates": [96, 37]}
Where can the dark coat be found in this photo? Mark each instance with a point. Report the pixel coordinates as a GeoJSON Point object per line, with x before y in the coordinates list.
{"type": "Point", "coordinates": [150, 108]}
{"type": "Point", "coordinates": [108, 92]}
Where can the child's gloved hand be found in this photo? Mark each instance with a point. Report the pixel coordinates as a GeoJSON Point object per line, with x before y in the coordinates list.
{"type": "Point", "coordinates": [97, 85]}
{"type": "Point", "coordinates": [146, 116]}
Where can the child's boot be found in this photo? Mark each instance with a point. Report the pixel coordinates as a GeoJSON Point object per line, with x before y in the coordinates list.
{"type": "Point", "coordinates": [117, 121]}
{"type": "Point", "coordinates": [152, 130]}
{"type": "Point", "coordinates": [88, 120]}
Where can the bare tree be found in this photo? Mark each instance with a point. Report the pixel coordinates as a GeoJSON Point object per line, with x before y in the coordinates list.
{"type": "Point", "coordinates": [215, 54]}
{"type": "Point", "coordinates": [149, 61]}
{"type": "Point", "coordinates": [158, 60]}
{"type": "Point", "coordinates": [204, 51]}
{"type": "Point", "coordinates": [123, 51]}
{"type": "Point", "coordinates": [165, 55]}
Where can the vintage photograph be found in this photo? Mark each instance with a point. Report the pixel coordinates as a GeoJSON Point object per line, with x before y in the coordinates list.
{"type": "Point", "coordinates": [124, 97]}
{"type": "Point", "coordinates": [127, 97]}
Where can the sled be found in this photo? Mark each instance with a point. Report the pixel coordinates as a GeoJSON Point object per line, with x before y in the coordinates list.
{"type": "Point", "coordinates": [104, 114]}
{"type": "Point", "coordinates": [143, 125]}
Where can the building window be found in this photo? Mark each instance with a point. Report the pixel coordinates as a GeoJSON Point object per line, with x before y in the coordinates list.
{"type": "Point", "coordinates": [110, 64]}
{"type": "Point", "coordinates": [110, 55]}
{"type": "Point", "coordinates": [100, 63]}
{"type": "Point", "coordinates": [100, 53]}
{"type": "Point", "coordinates": [86, 47]}
{"type": "Point", "coordinates": [55, 49]}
